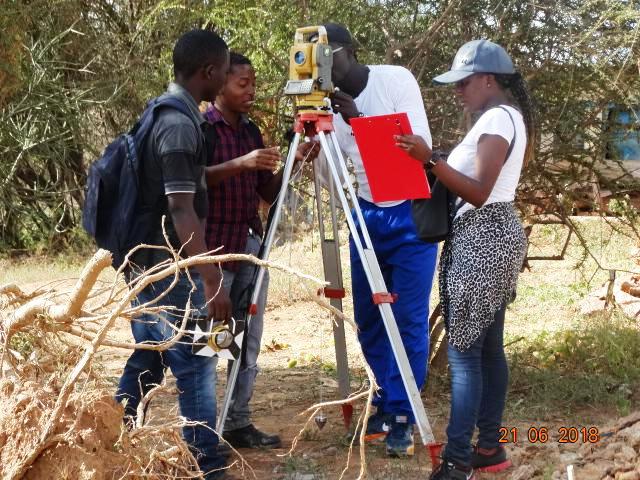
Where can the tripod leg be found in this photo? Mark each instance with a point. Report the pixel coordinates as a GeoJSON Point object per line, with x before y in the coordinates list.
{"type": "Point", "coordinates": [341, 164]}
{"type": "Point", "coordinates": [268, 243]}
{"type": "Point", "coordinates": [333, 274]}
{"type": "Point", "coordinates": [378, 287]}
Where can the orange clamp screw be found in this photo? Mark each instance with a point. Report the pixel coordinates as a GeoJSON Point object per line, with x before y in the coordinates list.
{"type": "Point", "coordinates": [384, 297]}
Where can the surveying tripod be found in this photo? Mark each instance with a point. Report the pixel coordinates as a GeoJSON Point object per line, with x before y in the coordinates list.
{"type": "Point", "coordinates": [320, 123]}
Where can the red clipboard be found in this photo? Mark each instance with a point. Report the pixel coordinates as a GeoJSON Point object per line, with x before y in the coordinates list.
{"type": "Point", "coordinates": [392, 174]}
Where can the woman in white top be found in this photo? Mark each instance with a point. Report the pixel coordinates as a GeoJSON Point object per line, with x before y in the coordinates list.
{"type": "Point", "coordinates": [483, 253]}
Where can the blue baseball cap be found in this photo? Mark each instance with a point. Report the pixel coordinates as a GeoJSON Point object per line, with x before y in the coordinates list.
{"type": "Point", "coordinates": [477, 56]}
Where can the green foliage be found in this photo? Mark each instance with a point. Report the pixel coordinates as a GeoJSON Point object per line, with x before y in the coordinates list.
{"type": "Point", "coordinates": [597, 364]}
{"type": "Point", "coordinates": [23, 343]}
{"type": "Point", "coordinates": [328, 367]}
{"type": "Point", "coordinates": [300, 465]}
{"type": "Point", "coordinates": [84, 71]}
{"type": "Point", "coordinates": [623, 208]}
{"type": "Point", "coordinates": [77, 72]}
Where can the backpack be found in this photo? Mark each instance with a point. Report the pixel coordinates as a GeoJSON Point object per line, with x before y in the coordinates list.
{"type": "Point", "coordinates": [111, 213]}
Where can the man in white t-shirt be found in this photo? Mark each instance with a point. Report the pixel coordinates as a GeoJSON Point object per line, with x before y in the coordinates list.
{"type": "Point", "coordinates": [407, 263]}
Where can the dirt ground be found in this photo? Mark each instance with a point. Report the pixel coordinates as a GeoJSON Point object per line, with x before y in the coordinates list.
{"type": "Point", "coordinates": [298, 369]}
{"type": "Point", "coordinates": [301, 333]}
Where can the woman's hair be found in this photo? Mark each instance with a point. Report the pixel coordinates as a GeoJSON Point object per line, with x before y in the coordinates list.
{"type": "Point", "coordinates": [517, 87]}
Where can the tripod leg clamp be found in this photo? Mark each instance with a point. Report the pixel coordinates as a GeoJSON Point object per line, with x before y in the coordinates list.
{"type": "Point", "coordinates": [384, 297]}
{"type": "Point", "coordinates": [332, 292]}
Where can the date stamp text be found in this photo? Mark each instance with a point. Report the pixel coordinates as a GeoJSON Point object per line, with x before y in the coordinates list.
{"type": "Point", "coordinates": [542, 434]}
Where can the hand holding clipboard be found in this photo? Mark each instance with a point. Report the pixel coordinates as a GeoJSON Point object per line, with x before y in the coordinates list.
{"type": "Point", "coordinates": [392, 173]}
{"type": "Point", "coordinates": [415, 146]}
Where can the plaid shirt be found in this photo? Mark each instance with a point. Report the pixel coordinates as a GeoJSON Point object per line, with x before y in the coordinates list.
{"type": "Point", "coordinates": [233, 204]}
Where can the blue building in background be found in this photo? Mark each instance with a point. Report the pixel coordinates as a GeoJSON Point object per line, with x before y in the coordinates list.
{"type": "Point", "coordinates": [624, 128]}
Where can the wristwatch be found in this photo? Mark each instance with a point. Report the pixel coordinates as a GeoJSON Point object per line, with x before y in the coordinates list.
{"type": "Point", "coordinates": [432, 162]}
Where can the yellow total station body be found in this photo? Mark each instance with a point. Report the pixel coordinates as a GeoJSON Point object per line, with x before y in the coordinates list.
{"type": "Point", "coordinates": [310, 65]}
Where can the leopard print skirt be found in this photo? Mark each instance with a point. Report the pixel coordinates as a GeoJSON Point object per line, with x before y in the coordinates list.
{"type": "Point", "coordinates": [479, 268]}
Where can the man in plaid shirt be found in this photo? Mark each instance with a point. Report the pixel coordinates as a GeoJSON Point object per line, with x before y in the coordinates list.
{"type": "Point", "coordinates": [239, 174]}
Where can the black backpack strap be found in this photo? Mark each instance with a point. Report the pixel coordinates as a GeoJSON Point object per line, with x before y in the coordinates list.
{"type": "Point", "coordinates": [174, 102]}
{"type": "Point", "coordinates": [513, 140]}
{"type": "Point", "coordinates": [138, 134]}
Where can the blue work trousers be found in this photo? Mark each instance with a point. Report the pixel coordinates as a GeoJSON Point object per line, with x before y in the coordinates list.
{"type": "Point", "coordinates": [407, 266]}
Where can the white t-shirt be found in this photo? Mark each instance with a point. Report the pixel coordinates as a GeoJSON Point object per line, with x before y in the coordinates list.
{"type": "Point", "coordinates": [390, 89]}
{"type": "Point", "coordinates": [494, 121]}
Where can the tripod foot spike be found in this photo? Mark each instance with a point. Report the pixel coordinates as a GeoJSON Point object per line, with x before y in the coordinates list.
{"type": "Point", "coordinates": [321, 420]}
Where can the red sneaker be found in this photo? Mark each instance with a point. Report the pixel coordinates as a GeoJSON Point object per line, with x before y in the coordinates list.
{"type": "Point", "coordinates": [490, 460]}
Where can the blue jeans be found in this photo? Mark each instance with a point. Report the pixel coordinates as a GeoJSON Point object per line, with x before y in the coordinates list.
{"type": "Point", "coordinates": [479, 379]}
{"type": "Point", "coordinates": [195, 375]}
{"type": "Point", "coordinates": [407, 265]}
